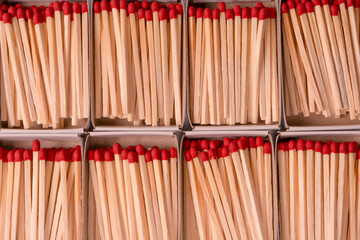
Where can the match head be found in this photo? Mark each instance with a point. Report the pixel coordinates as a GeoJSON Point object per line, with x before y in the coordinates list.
{"type": "Point", "coordinates": [155, 153]}
{"type": "Point", "coordinates": [225, 152]}
{"type": "Point", "coordinates": [259, 5]}
{"type": "Point", "coordinates": [292, 145]}
{"type": "Point", "coordinates": [243, 145]}
{"type": "Point", "coordinates": [207, 13]}
{"type": "Point", "coordinates": [104, 5]}
{"type": "Point", "coordinates": [165, 155]}
{"type": "Point", "coordinates": [194, 144]}
{"type": "Point", "coordinates": [204, 156]}
{"type": "Point", "coordinates": [131, 8]}
{"type": "Point", "coordinates": [77, 8]}
{"type": "Point", "coordinates": [199, 13]}
{"type": "Point", "coordinates": [349, 3]}
{"type": "Point", "coordinates": [148, 15]}
{"type": "Point", "coordinates": [343, 148]}
{"type": "Point", "coordinates": [222, 7]}
{"type": "Point", "coordinates": [20, 13]}
{"type": "Point", "coordinates": [267, 148]}
{"type": "Point", "coordinates": [57, 6]}
{"type": "Point", "coordinates": [171, 6]}
{"type": "Point", "coordinates": [316, 2]}
{"type": "Point", "coordinates": [334, 10]}
{"type": "Point", "coordinates": [137, 5]}
{"type": "Point", "coordinates": [35, 145]}
{"type": "Point", "coordinates": [272, 13]}
{"type": "Point", "coordinates": [204, 144]}
{"type": "Point", "coordinates": [64, 155]}
{"type": "Point", "coordinates": [76, 156]}
{"type": "Point", "coordinates": [284, 8]}
{"type": "Point", "coordinates": [90, 154]}
{"type": "Point", "coordinates": [123, 4]}
{"type": "Point", "coordinates": [41, 8]}
{"type": "Point", "coordinates": [291, 4]}
{"type": "Point", "coordinates": [326, 149]}
{"type": "Point", "coordinates": [49, 12]}
{"type": "Point", "coordinates": [133, 157]}
{"type": "Point", "coordinates": [179, 8]}
{"type": "Point", "coordinates": [141, 13]}
{"type": "Point", "coordinates": [191, 11]}
{"type": "Point", "coordinates": [4, 7]}
{"type": "Point", "coordinates": [173, 13]}
{"type": "Point", "coordinates": [237, 11]}
{"type": "Point", "coordinates": [18, 156]}
{"type": "Point", "coordinates": [186, 144]}
{"type": "Point", "coordinates": [188, 156]}
{"type": "Point", "coordinates": [334, 147]}
{"type": "Point", "coordinates": [309, 7]}
{"type": "Point", "coordinates": [42, 154]}
{"type": "Point", "coordinates": [219, 152]}
{"type": "Point", "coordinates": [300, 8]}
{"type": "Point", "coordinates": [212, 154]}
{"type": "Point", "coordinates": [84, 7]}
{"type": "Point", "coordinates": [300, 145]}
{"type": "Point", "coordinates": [309, 145]}
{"type": "Point", "coordinates": [66, 7]}
{"type": "Point", "coordinates": [51, 156]}
{"type": "Point", "coordinates": [173, 152]}
{"type": "Point", "coordinates": [254, 12]}
{"type": "Point", "coordinates": [145, 5]}
{"type": "Point", "coordinates": [352, 147]}
{"type": "Point", "coordinates": [212, 143]}
{"type": "Point", "coordinates": [252, 142]}
{"type": "Point", "coordinates": [124, 154]}
{"type": "Point", "coordinates": [140, 149]}
{"type": "Point", "coordinates": [155, 6]}
{"type": "Point", "coordinates": [229, 14]}
{"type": "Point", "coordinates": [259, 141]}
{"type": "Point", "coordinates": [97, 7]}
{"type": "Point", "coordinates": [246, 12]}
{"type": "Point", "coordinates": [148, 156]}
{"type": "Point", "coordinates": [357, 4]}
{"type": "Point", "coordinates": [341, 1]}
{"type": "Point", "coordinates": [117, 148]}
{"type": "Point", "coordinates": [10, 156]}
{"type": "Point", "coordinates": [28, 155]}
{"type": "Point", "coordinates": [318, 146]}
{"type": "Point", "coordinates": [335, 2]}
{"type": "Point", "coordinates": [163, 14]}
{"type": "Point", "coordinates": [226, 142]}
{"type": "Point", "coordinates": [194, 152]}
{"type": "Point", "coordinates": [12, 11]}
{"type": "Point", "coordinates": [233, 147]}
{"type": "Point", "coordinates": [281, 146]}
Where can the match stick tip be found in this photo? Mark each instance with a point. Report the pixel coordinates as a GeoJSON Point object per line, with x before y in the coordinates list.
{"type": "Point", "coordinates": [291, 4]}
{"type": "Point", "coordinates": [334, 10]}
{"type": "Point", "coordinates": [267, 148]}
{"type": "Point", "coordinates": [57, 6]}
{"type": "Point", "coordinates": [204, 156]}
{"type": "Point", "coordinates": [309, 7]}
{"type": "Point", "coordinates": [229, 14]}
{"type": "Point", "coordinates": [259, 142]}
{"type": "Point", "coordinates": [155, 153]}
{"type": "Point", "coordinates": [10, 156]}
{"type": "Point", "coordinates": [84, 7]}
{"type": "Point", "coordinates": [300, 8]}
{"type": "Point", "coordinates": [18, 156]}
{"type": "Point", "coordinates": [77, 8]}
{"type": "Point", "coordinates": [141, 13]}
{"type": "Point", "coordinates": [316, 2]}
{"type": "Point", "coordinates": [179, 8]}
{"type": "Point", "coordinates": [163, 5]}
{"type": "Point", "coordinates": [284, 8]}
{"type": "Point", "coordinates": [334, 147]}
{"type": "Point", "coordinates": [140, 149]}
{"type": "Point", "coordinates": [12, 11]}
{"type": "Point", "coordinates": [28, 14]}
{"type": "Point", "coordinates": [237, 11]}
{"type": "Point", "coordinates": [254, 12]}
{"type": "Point", "coordinates": [343, 147]}
{"type": "Point", "coordinates": [173, 152]}
{"type": "Point", "coordinates": [97, 7]}
{"type": "Point", "coordinates": [358, 155]}
{"type": "Point", "coordinates": [212, 154]}
{"type": "Point", "coordinates": [186, 144]}
{"type": "Point", "coordinates": [212, 144]}
{"type": "Point", "coordinates": [123, 4]}
{"type": "Point", "coordinates": [318, 146]}
{"type": "Point", "coordinates": [194, 152]}
{"type": "Point", "coordinates": [76, 156]}
{"type": "Point", "coordinates": [281, 146]}
{"type": "Point", "coordinates": [341, 1]}
{"type": "Point", "coordinates": [309, 145]}
{"type": "Point", "coordinates": [252, 143]}
{"type": "Point", "coordinates": [49, 12]}
{"type": "Point", "coordinates": [35, 145]}
{"type": "Point", "coordinates": [28, 155]}
{"type": "Point", "coordinates": [193, 144]}
{"type": "Point", "coordinates": [233, 147]}
{"type": "Point", "coordinates": [66, 7]}
{"type": "Point", "coordinates": [163, 14]}
{"type": "Point", "coordinates": [188, 156]}
{"type": "Point", "coordinates": [148, 156]}
{"type": "Point", "coordinates": [292, 145]}
{"type": "Point", "coordinates": [172, 6]}
{"type": "Point", "coordinates": [155, 6]}
{"type": "Point", "coordinates": [326, 149]}
{"type": "Point", "coordinates": [300, 145]}
{"type": "Point", "coordinates": [326, 2]}
{"type": "Point", "coordinates": [114, 4]}
{"type": "Point", "coordinates": [173, 13]}
{"type": "Point", "coordinates": [148, 15]}
{"type": "Point", "coordinates": [352, 147]}
{"type": "Point", "coordinates": [145, 5]}
{"type": "Point", "coordinates": [64, 155]}
{"type": "Point", "coordinates": [225, 152]}
{"type": "Point", "coordinates": [6, 18]}
{"type": "Point", "coordinates": [222, 6]}
{"type": "Point", "coordinates": [215, 14]}
{"type": "Point", "coordinates": [42, 154]}
{"type": "Point", "coordinates": [20, 13]}
{"type": "Point", "coordinates": [244, 144]}
{"type": "Point", "coordinates": [104, 5]}
{"type": "Point", "coordinates": [219, 152]}
{"type": "Point", "coordinates": [259, 5]}
{"type": "Point", "coordinates": [263, 13]}
{"type": "Point", "coordinates": [108, 156]}
{"type": "Point", "coordinates": [246, 12]}
{"type": "Point", "coordinates": [357, 3]}
{"type": "Point", "coordinates": [227, 141]}
{"type": "Point", "coordinates": [131, 148]}
{"type": "Point", "coordinates": [4, 7]}
{"type": "Point", "coordinates": [133, 157]}
{"type": "Point", "coordinates": [131, 8]}
{"type": "Point", "coordinates": [199, 13]}
{"type": "Point", "coordinates": [165, 155]}
{"type": "Point", "coordinates": [204, 144]}
{"type": "Point", "coordinates": [272, 13]}
{"type": "Point", "coordinates": [98, 155]}
{"type": "Point", "coordinates": [90, 154]}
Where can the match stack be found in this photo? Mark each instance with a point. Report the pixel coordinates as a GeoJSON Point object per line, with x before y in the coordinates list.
{"type": "Point", "coordinates": [133, 193]}
{"type": "Point", "coordinates": [138, 62]}
{"type": "Point", "coordinates": [321, 58]}
{"type": "Point", "coordinates": [40, 193]}
{"type": "Point", "coordinates": [230, 188]}
{"type": "Point", "coordinates": [44, 64]}
{"type": "Point", "coordinates": [233, 65]}
{"type": "Point", "coordinates": [319, 189]}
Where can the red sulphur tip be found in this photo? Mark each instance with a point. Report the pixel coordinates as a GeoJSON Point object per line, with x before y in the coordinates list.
{"type": "Point", "coordinates": [49, 12]}
{"type": "Point", "coordinates": [123, 4]}
{"type": "Point", "coordinates": [76, 156]}
{"type": "Point", "coordinates": [193, 144]}
{"type": "Point", "coordinates": [309, 7]}
{"type": "Point", "coordinates": [324, 2]}
{"type": "Point", "coordinates": [35, 145]}
{"type": "Point", "coordinates": [343, 148]}
{"type": "Point", "coordinates": [186, 144]}
{"type": "Point", "coordinates": [226, 142]}
{"type": "Point", "coordinates": [163, 14]}
{"type": "Point", "coordinates": [219, 152]}
{"type": "Point", "coordinates": [237, 11]}
{"type": "Point", "coordinates": [334, 147]}
{"type": "Point", "coordinates": [284, 8]}
{"type": "Point", "coordinates": [28, 155]}
{"type": "Point", "coordinates": [300, 145]}
{"type": "Point", "coordinates": [57, 6]}
{"type": "Point", "coordinates": [63, 156]}
{"type": "Point", "coordinates": [267, 148]}
{"type": "Point", "coordinates": [259, 5]}
{"type": "Point", "coordinates": [233, 147]}
{"type": "Point", "coordinates": [179, 9]}
{"type": "Point", "coordinates": [97, 7]}
{"type": "Point", "coordinates": [77, 8]}
{"type": "Point", "coordinates": [204, 144]}
{"type": "Point", "coordinates": [254, 12]}
{"type": "Point", "coordinates": [173, 13]}
{"type": "Point", "coordinates": [318, 146]}
{"type": "Point", "coordinates": [309, 145]}
{"type": "Point", "coordinates": [358, 155]}
{"type": "Point", "coordinates": [212, 154]}
{"type": "Point", "coordinates": [133, 157]}
{"type": "Point", "coordinates": [229, 14]}
{"type": "Point", "coordinates": [66, 7]}
{"type": "Point", "coordinates": [300, 8]}
{"type": "Point", "coordinates": [225, 152]}
{"type": "Point", "coordinates": [272, 13]}
{"type": "Point", "coordinates": [207, 13]}
{"type": "Point", "coordinates": [131, 8]}
{"type": "Point", "coordinates": [315, 2]}
{"type": "Point", "coordinates": [352, 147]}
{"type": "Point", "coordinates": [137, 5]}
{"type": "Point", "coordinates": [204, 156]}
{"type": "Point", "coordinates": [124, 154]}
{"type": "Point", "coordinates": [259, 142]}
{"type": "Point", "coordinates": [173, 152]}
{"type": "Point", "coordinates": [326, 149]}
{"type": "Point", "coordinates": [221, 6]}
{"type": "Point", "coordinates": [84, 7]}
{"type": "Point", "coordinates": [199, 13]}
{"type": "Point", "coordinates": [90, 154]}
{"type": "Point", "coordinates": [246, 12]}
{"type": "Point", "coordinates": [20, 13]}
{"type": "Point", "coordinates": [252, 142]}
{"type": "Point", "coordinates": [292, 145]}
{"type": "Point", "coordinates": [194, 152]}
{"type": "Point", "coordinates": [281, 146]}
{"type": "Point", "coordinates": [148, 156]}
{"type": "Point", "coordinates": [188, 156]}
{"type": "Point", "coordinates": [291, 4]}
{"type": "Point", "coordinates": [18, 156]}
{"type": "Point", "coordinates": [140, 149]}
{"type": "Point", "coordinates": [117, 148]}
{"type": "Point", "coordinates": [148, 15]}
{"type": "Point", "coordinates": [104, 5]}
{"type": "Point", "coordinates": [243, 144]}
{"type": "Point", "coordinates": [4, 7]}
{"type": "Point", "coordinates": [10, 156]}
{"type": "Point", "coordinates": [165, 155]}
{"type": "Point", "coordinates": [155, 154]}
{"type": "Point", "coordinates": [155, 6]}
{"type": "Point", "coordinates": [141, 13]}
{"type": "Point", "coordinates": [357, 3]}
{"type": "Point", "coordinates": [12, 11]}
{"type": "Point", "coordinates": [334, 10]}
{"type": "Point", "coordinates": [145, 5]}
{"type": "Point", "coordinates": [191, 11]}
{"type": "Point", "coordinates": [171, 6]}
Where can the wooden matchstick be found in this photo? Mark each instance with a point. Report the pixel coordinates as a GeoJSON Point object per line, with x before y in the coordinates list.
{"type": "Point", "coordinates": [9, 193]}
{"type": "Point", "coordinates": [284, 190]}
{"type": "Point", "coordinates": [310, 186]}
{"type": "Point", "coordinates": [334, 163]}
{"type": "Point", "coordinates": [326, 182]}
{"type": "Point", "coordinates": [35, 188]}
{"type": "Point", "coordinates": [18, 158]}
{"type": "Point", "coordinates": [42, 173]}
{"type": "Point", "coordinates": [27, 181]}
{"type": "Point", "coordinates": [352, 147]}
{"type": "Point", "coordinates": [318, 190]}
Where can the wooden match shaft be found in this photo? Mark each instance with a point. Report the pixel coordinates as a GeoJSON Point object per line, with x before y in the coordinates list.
{"type": "Point", "coordinates": [174, 189]}
{"type": "Point", "coordinates": [97, 52]}
{"type": "Point", "coordinates": [326, 183]}
{"type": "Point", "coordinates": [42, 173]}
{"type": "Point", "coordinates": [18, 158]}
{"type": "Point", "coordinates": [198, 65]}
{"type": "Point", "coordinates": [341, 182]}
{"type": "Point", "coordinates": [352, 147]}
{"type": "Point", "coordinates": [301, 157]}
{"type": "Point", "coordinates": [192, 49]}
{"type": "Point", "coordinates": [35, 188]}
{"type": "Point", "coordinates": [293, 189]}
{"type": "Point", "coordinates": [237, 56]}
{"type": "Point", "coordinates": [334, 163]}
{"type": "Point", "coordinates": [318, 190]}
{"type": "Point", "coordinates": [85, 57]}
{"type": "Point", "coordinates": [9, 192]}
{"type": "Point", "coordinates": [284, 190]}
{"type": "Point", "coordinates": [230, 64]}
{"type": "Point", "coordinates": [310, 186]}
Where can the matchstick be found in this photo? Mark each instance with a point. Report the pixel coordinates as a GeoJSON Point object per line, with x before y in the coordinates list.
{"type": "Point", "coordinates": [174, 189]}
{"type": "Point", "coordinates": [27, 181]}
{"type": "Point", "coordinates": [318, 190]}
{"type": "Point", "coordinates": [35, 188]}
{"type": "Point", "coordinates": [309, 145]}
{"type": "Point", "coordinates": [341, 181]}
{"type": "Point", "coordinates": [9, 193]}
{"type": "Point", "coordinates": [284, 191]}
{"type": "Point", "coordinates": [18, 158]}
{"type": "Point", "coordinates": [334, 163]}
{"type": "Point", "coordinates": [42, 173]}
{"type": "Point", "coordinates": [352, 147]}
{"type": "Point", "coordinates": [326, 181]}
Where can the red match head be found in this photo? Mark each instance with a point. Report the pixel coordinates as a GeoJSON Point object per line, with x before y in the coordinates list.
{"type": "Point", "coordinates": [155, 153]}
{"type": "Point", "coordinates": [335, 2]}
{"type": "Point", "coordinates": [124, 154]}
{"type": "Point", "coordinates": [204, 156]}
{"type": "Point", "coordinates": [194, 144]}
{"type": "Point", "coordinates": [145, 5]}
{"type": "Point", "coordinates": [316, 2]}
{"type": "Point", "coordinates": [137, 5]}
{"type": "Point", "coordinates": [191, 11]}
{"type": "Point", "coordinates": [300, 145]}
{"type": "Point", "coordinates": [28, 155]}
{"type": "Point", "coordinates": [309, 145]}
{"type": "Point", "coordinates": [334, 10]}
{"type": "Point", "coordinates": [20, 13]}
{"type": "Point", "coordinates": [233, 147]}
{"type": "Point", "coordinates": [77, 8]}
{"type": "Point", "coordinates": [84, 7]}
{"type": "Point", "coordinates": [35, 145]}
{"type": "Point", "coordinates": [10, 156]}
{"type": "Point", "coordinates": [41, 8]}
{"type": "Point", "coordinates": [179, 8]}
{"type": "Point", "coordinates": [42, 154]}
{"type": "Point", "coordinates": [334, 147]}
{"type": "Point", "coordinates": [18, 156]}
{"type": "Point", "coordinates": [252, 142]}
{"type": "Point", "coordinates": [357, 4]}
{"type": "Point", "coordinates": [358, 155]}
{"type": "Point", "coordinates": [222, 7]}
{"type": "Point", "coordinates": [254, 12]}
{"type": "Point", "coordinates": [243, 144]}
{"type": "Point", "coordinates": [97, 7]}
{"type": "Point", "coordinates": [309, 7]}
{"type": "Point", "coordinates": [63, 156]}
{"type": "Point", "coordinates": [259, 142]}
{"type": "Point", "coordinates": [237, 11]}
{"type": "Point", "coordinates": [173, 13]}
{"type": "Point", "coordinates": [326, 149]}
{"type": "Point", "coordinates": [341, 1]}
{"type": "Point", "coordinates": [141, 13]}
{"type": "Point", "coordinates": [76, 156]}
{"type": "Point", "coordinates": [272, 13]}
{"type": "Point", "coordinates": [207, 13]}
{"type": "Point", "coordinates": [259, 5]}
{"type": "Point", "coordinates": [194, 152]}
{"type": "Point", "coordinates": [12, 11]}
{"type": "Point", "coordinates": [133, 157]}
{"type": "Point", "coordinates": [284, 8]}
{"type": "Point", "coordinates": [90, 154]}
{"type": "Point", "coordinates": [300, 8]}
{"type": "Point", "coordinates": [4, 7]}
{"type": "Point", "coordinates": [117, 148]}
{"type": "Point", "coordinates": [219, 152]}
{"type": "Point", "coordinates": [212, 154]}
{"type": "Point", "coordinates": [229, 14]}
{"type": "Point", "coordinates": [324, 2]}
{"type": "Point", "coordinates": [173, 152]}
{"type": "Point", "coordinates": [140, 149]}
{"type": "Point", "coordinates": [163, 14]}
{"type": "Point", "coordinates": [318, 146]}
{"type": "Point", "coordinates": [204, 144]}
{"type": "Point", "coordinates": [123, 4]}
{"type": "Point", "coordinates": [199, 13]}
{"type": "Point", "coordinates": [104, 5]}
{"type": "Point", "coordinates": [352, 147]}
{"type": "Point", "coordinates": [186, 144]}
{"type": "Point", "coordinates": [148, 156]}
{"type": "Point", "coordinates": [57, 6]}
{"type": "Point", "coordinates": [131, 8]}
{"type": "Point", "coordinates": [226, 142]}
{"type": "Point", "coordinates": [292, 145]}
{"type": "Point", "coordinates": [343, 148]}
{"type": "Point", "coordinates": [246, 12]}
{"type": "Point", "coordinates": [188, 156]}
{"type": "Point", "coordinates": [148, 15]}
{"type": "Point", "coordinates": [66, 7]}
{"type": "Point", "coordinates": [267, 148]}
{"type": "Point", "coordinates": [291, 4]}
{"type": "Point", "coordinates": [165, 155]}
{"type": "Point", "coordinates": [225, 152]}
{"type": "Point", "coordinates": [281, 146]}
{"type": "Point", "coordinates": [155, 6]}
{"type": "Point", "coordinates": [51, 156]}
{"type": "Point", "coordinates": [49, 12]}
{"type": "Point", "coordinates": [212, 143]}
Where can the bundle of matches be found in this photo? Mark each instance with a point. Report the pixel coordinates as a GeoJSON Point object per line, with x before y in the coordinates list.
{"type": "Point", "coordinates": [137, 61]}
{"type": "Point", "coordinates": [133, 193]}
{"type": "Point", "coordinates": [40, 193]}
{"type": "Point", "coordinates": [229, 83]}
{"type": "Point", "coordinates": [231, 187]}
{"type": "Point", "coordinates": [319, 190]}
{"type": "Point", "coordinates": [44, 64]}
{"type": "Point", "coordinates": [321, 55]}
